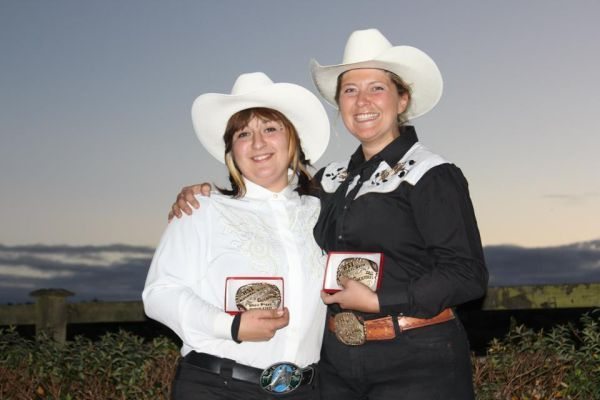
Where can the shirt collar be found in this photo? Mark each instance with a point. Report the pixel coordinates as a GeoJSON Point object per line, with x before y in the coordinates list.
{"type": "Point", "coordinates": [254, 191]}
{"type": "Point", "coordinates": [392, 153]}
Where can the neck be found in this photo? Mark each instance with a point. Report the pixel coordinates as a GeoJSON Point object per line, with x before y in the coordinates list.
{"type": "Point", "coordinates": [369, 149]}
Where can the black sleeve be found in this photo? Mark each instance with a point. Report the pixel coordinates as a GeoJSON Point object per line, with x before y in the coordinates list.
{"type": "Point", "coordinates": [445, 219]}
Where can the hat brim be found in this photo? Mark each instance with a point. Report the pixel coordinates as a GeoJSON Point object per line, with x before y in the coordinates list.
{"type": "Point", "coordinates": [212, 111]}
{"type": "Point", "coordinates": [412, 65]}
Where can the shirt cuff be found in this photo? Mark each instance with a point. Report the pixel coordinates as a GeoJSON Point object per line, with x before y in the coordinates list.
{"type": "Point", "coordinates": [222, 326]}
{"type": "Point", "coordinates": [394, 300]}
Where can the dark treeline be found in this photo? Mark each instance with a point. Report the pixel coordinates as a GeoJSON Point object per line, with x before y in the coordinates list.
{"type": "Point", "coordinates": [481, 326]}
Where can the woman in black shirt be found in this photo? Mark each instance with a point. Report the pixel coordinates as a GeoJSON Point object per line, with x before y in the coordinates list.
{"type": "Point", "coordinates": [395, 197]}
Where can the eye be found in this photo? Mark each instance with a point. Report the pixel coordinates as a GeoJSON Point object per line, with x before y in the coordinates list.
{"type": "Point", "coordinates": [378, 88]}
{"type": "Point", "coordinates": [349, 90]}
{"type": "Point", "coordinates": [271, 127]}
{"type": "Point", "coordinates": [241, 135]}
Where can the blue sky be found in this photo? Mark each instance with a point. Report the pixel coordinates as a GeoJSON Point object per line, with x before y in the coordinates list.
{"type": "Point", "coordinates": [96, 136]}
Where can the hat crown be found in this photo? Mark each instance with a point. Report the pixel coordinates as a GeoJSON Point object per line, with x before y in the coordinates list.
{"type": "Point", "coordinates": [364, 45]}
{"type": "Point", "coordinates": [250, 82]}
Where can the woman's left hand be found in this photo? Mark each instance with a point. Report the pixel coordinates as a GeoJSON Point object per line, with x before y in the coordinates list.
{"type": "Point", "coordinates": [354, 296]}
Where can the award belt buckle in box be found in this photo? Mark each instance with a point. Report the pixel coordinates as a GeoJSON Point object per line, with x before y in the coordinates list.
{"type": "Point", "coordinates": [359, 266]}
{"type": "Point", "coordinates": [253, 293]}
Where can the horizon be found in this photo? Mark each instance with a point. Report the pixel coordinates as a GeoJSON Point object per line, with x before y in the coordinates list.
{"type": "Point", "coordinates": [117, 272]}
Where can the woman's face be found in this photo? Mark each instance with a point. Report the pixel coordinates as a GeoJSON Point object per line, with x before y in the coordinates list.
{"type": "Point", "coordinates": [260, 151]}
{"type": "Point", "coordinates": [369, 105]}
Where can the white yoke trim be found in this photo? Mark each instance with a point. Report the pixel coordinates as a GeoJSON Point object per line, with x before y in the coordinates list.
{"type": "Point", "coordinates": [411, 168]}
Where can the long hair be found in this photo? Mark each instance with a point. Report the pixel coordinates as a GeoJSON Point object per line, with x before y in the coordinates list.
{"type": "Point", "coordinates": [297, 160]}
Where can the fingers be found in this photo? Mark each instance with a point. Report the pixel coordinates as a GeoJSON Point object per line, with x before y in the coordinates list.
{"type": "Point", "coordinates": [204, 190]}
{"type": "Point", "coordinates": [182, 205]}
{"type": "Point", "coordinates": [354, 296]}
{"type": "Point", "coordinates": [188, 196]}
{"type": "Point", "coordinates": [343, 281]}
{"type": "Point", "coordinates": [328, 298]}
{"type": "Point", "coordinates": [278, 318]}
{"type": "Point", "coordinates": [175, 211]}
{"type": "Point", "coordinates": [283, 320]}
{"type": "Point", "coordinates": [186, 199]}
{"type": "Point", "coordinates": [261, 325]}
{"type": "Point", "coordinates": [338, 297]}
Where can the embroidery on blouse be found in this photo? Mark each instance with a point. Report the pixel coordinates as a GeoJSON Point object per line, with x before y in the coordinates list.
{"type": "Point", "coordinates": [302, 224]}
{"type": "Point", "coordinates": [253, 237]}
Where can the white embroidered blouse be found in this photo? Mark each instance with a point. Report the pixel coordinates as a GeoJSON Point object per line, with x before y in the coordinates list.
{"type": "Point", "coordinates": [262, 234]}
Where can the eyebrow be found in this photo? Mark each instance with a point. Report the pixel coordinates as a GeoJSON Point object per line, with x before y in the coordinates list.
{"type": "Point", "coordinates": [369, 83]}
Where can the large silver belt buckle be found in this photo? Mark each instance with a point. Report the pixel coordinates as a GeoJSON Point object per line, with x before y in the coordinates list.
{"type": "Point", "coordinates": [281, 378]}
{"type": "Point", "coordinates": [359, 269]}
{"type": "Point", "coordinates": [260, 295]}
{"type": "Point", "coordinates": [349, 329]}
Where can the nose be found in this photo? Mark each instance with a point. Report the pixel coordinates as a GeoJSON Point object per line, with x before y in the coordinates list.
{"type": "Point", "coordinates": [362, 98]}
{"type": "Point", "coordinates": [258, 140]}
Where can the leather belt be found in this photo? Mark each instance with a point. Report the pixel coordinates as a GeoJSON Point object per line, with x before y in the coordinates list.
{"type": "Point", "coordinates": [222, 366]}
{"type": "Point", "coordinates": [352, 330]}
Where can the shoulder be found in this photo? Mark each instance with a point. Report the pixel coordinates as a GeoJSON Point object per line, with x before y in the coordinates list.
{"type": "Point", "coordinates": [332, 175]}
{"type": "Point", "coordinates": [418, 161]}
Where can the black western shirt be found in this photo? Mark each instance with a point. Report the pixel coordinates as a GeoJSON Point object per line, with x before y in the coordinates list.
{"type": "Point", "coordinates": [414, 207]}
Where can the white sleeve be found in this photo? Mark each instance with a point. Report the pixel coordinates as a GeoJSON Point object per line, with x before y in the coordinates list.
{"type": "Point", "coordinates": [178, 265]}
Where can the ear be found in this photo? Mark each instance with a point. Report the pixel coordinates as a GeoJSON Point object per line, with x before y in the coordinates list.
{"type": "Point", "coordinates": [403, 102]}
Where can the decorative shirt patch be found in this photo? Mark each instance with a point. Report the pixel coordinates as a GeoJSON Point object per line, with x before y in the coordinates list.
{"type": "Point", "coordinates": [415, 163]}
{"type": "Point", "coordinates": [333, 176]}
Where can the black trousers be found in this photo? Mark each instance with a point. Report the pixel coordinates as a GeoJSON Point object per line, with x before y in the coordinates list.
{"type": "Point", "coordinates": [193, 383]}
{"type": "Point", "coordinates": [429, 363]}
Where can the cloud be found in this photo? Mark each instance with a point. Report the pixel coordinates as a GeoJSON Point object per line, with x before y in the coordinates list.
{"type": "Point", "coordinates": [118, 272]}
{"type": "Point", "coordinates": [513, 265]}
{"type": "Point", "coordinates": [569, 198]}
{"type": "Point", "coordinates": [115, 272]}
{"type": "Point", "coordinates": [25, 271]}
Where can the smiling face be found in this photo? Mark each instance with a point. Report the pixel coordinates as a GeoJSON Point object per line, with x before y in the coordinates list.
{"type": "Point", "coordinates": [369, 104]}
{"type": "Point", "coordinates": [260, 151]}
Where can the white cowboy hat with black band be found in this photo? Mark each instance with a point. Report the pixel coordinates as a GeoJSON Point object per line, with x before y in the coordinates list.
{"type": "Point", "coordinates": [370, 49]}
{"type": "Point", "coordinates": [211, 112]}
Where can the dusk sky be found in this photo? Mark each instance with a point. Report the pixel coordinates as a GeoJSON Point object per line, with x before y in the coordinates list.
{"type": "Point", "coordinates": [96, 136]}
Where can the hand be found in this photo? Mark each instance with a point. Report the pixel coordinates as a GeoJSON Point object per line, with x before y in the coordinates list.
{"type": "Point", "coordinates": [185, 198]}
{"type": "Point", "coordinates": [355, 296]}
{"type": "Point", "coordinates": [261, 325]}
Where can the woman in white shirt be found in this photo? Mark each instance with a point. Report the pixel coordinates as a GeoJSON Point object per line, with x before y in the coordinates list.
{"type": "Point", "coordinates": [256, 233]}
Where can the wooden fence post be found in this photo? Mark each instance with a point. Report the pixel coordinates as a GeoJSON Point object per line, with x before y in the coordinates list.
{"type": "Point", "coordinates": [51, 313]}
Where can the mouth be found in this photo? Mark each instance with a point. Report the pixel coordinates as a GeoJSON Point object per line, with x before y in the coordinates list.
{"type": "Point", "coordinates": [365, 117]}
{"type": "Point", "coordinates": [261, 157]}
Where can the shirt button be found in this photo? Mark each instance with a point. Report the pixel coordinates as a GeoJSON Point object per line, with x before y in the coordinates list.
{"type": "Point", "coordinates": [275, 196]}
{"type": "Point", "coordinates": [340, 237]}
{"type": "Point", "coordinates": [345, 207]}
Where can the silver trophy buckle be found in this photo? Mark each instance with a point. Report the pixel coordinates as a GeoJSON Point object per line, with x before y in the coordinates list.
{"type": "Point", "coordinates": [349, 329]}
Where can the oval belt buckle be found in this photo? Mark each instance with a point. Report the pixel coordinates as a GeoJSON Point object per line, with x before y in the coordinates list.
{"type": "Point", "coordinates": [281, 378]}
{"type": "Point", "coordinates": [349, 329]}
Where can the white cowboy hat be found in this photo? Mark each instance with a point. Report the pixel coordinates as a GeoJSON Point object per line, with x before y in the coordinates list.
{"type": "Point", "coordinates": [211, 112]}
{"type": "Point", "coordinates": [370, 49]}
